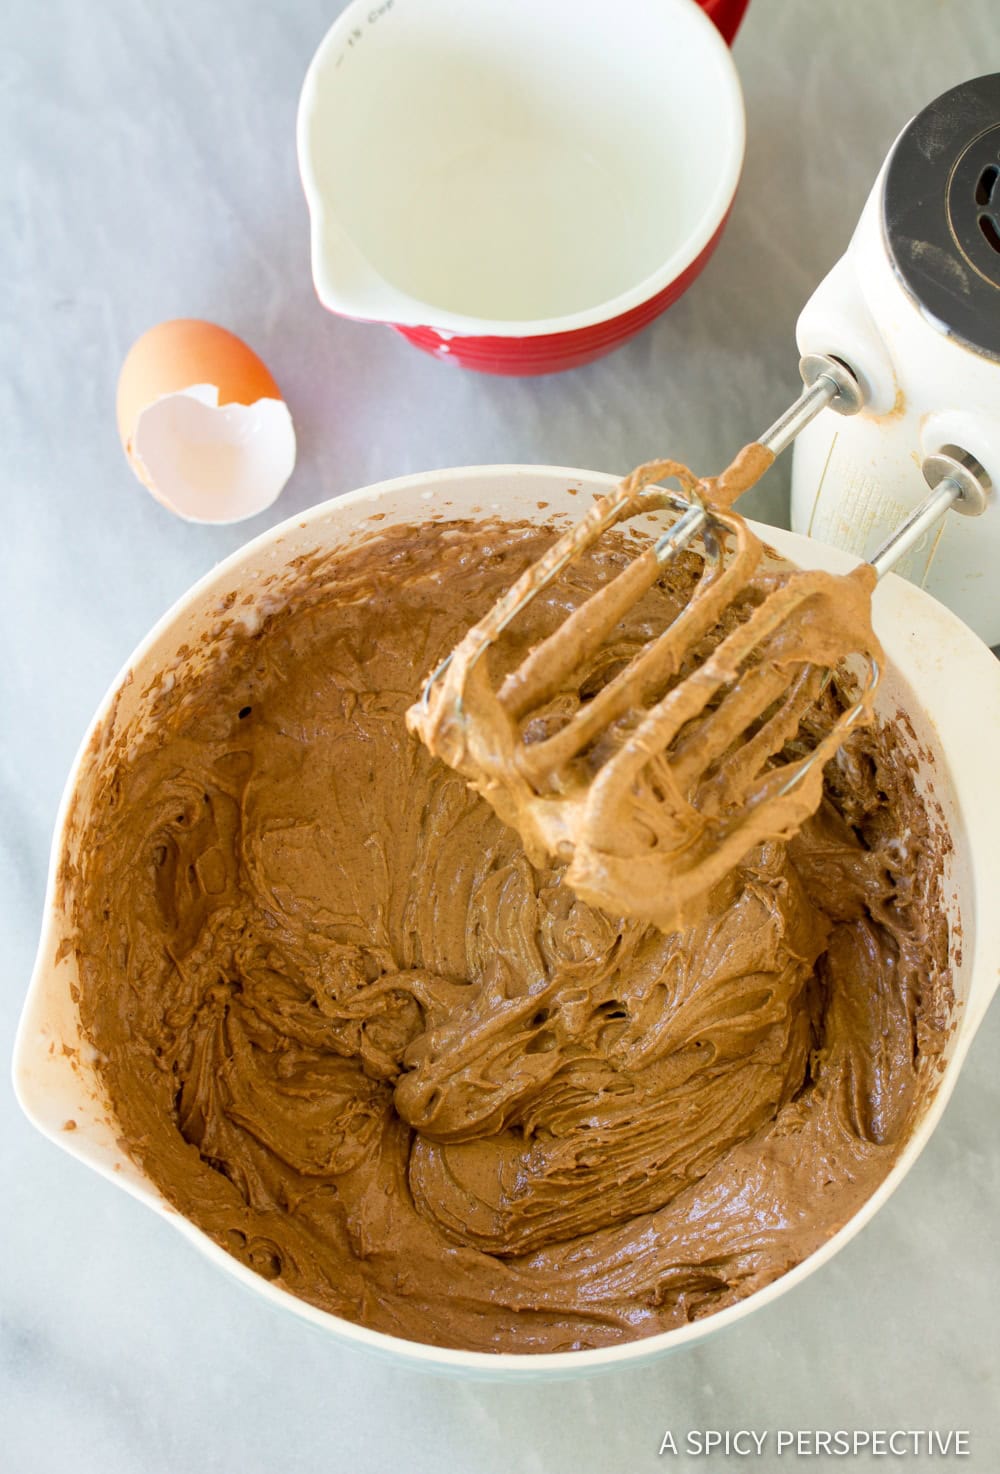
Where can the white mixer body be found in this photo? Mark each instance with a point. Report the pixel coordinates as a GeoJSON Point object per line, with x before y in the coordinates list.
{"type": "Point", "coordinates": [855, 479]}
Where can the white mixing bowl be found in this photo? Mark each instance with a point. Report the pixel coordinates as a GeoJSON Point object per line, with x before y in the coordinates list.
{"type": "Point", "coordinates": [939, 673]}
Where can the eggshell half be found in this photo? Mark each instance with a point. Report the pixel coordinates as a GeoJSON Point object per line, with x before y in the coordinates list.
{"type": "Point", "coordinates": [203, 423]}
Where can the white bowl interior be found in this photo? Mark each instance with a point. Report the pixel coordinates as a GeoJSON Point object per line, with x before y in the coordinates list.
{"type": "Point", "coordinates": [936, 667]}
{"type": "Point", "coordinates": [512, 160]}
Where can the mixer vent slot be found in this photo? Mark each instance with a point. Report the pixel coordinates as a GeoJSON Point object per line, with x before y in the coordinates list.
{"type": "Point", "coordinates": [987, 183]}
{"type": "Point", "coordinates": [988, 200]}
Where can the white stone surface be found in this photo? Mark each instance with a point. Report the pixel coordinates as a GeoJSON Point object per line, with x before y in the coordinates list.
{"type": "Point", "coordinates": [149, 172]}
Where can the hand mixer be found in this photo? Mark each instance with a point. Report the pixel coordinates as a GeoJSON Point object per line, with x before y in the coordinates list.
{"type": "Point", "coordinates": [712, 737]}
{"type": "Point", "coordinates": [914, 307]}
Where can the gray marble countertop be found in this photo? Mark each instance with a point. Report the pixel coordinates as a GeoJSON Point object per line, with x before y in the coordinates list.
{"type": "Point", "coordinates": [150, 173]}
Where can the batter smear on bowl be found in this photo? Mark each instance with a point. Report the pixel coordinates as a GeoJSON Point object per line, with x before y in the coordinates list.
{"type": "Point", "coordinates": [357, 1037]}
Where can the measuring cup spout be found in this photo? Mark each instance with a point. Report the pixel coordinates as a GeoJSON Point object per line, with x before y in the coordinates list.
{"type": "Point", "coordinates": [347, 283]}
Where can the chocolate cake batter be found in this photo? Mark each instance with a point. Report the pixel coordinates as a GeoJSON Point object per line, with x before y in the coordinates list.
{"type": "Point", "coordinates": [352, 1033]}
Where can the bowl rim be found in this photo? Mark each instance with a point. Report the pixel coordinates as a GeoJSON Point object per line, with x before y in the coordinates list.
{"type": "Point", "coordinates": [411, 312]}
{"type": "Point", "coordinates": [966, 779]}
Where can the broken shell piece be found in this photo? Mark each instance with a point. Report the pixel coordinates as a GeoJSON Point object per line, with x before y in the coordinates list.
{"type": "Point", "coordinates": [203, 423]}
